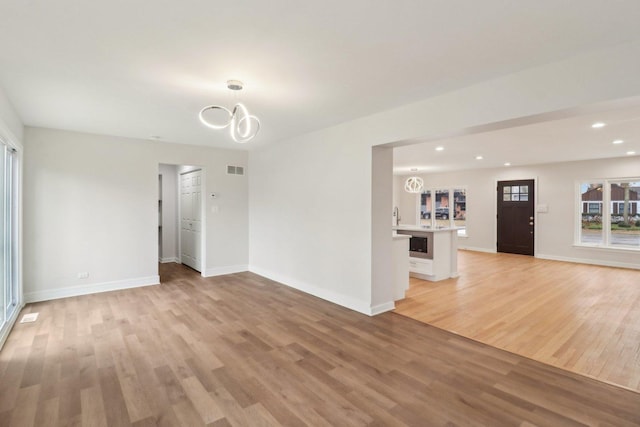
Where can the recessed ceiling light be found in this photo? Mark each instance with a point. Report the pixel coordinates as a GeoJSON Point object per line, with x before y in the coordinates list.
{"type": "Point", "coordinates": [617, 141]}
{"type": "Point", "coordinates": [507, 164]}
{"type": "Point", "coordinates": [630, 153]}
{"type": "Point", "coordinates": [479, 157]}
{"type": "Point", "coordinates": [439, 148]}
{"type": "Point", "coordinates": [598, 125]}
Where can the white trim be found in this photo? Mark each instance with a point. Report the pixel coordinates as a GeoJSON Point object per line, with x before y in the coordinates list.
{"type": "Point", "coordinates": [381, 308]}
{"type": "Point", "coordinates": [476, 249]}
{"type": "Point", "coordinates": [170, 259]}
{"type": "Point", "coordinates": [72, 291]}
{"type": "Point", "coordinates": [11, 140]}
{"type": "Point", "coordinates": [590, 261]}
{"type": "Point", "coordinates": [4, 334]}
{"type": "Point", "coordinates": [227, 269]}
{"type": "Point", "coordinates": [607, 248]}
{"type": "Point", "coordinates": [535, 212]}
{"type": "Point", "coordinates": [334, 297]}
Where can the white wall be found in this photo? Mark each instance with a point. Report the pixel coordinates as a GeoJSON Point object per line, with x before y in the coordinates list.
{"type": "Point", "coordinates": [310, 217]}
{"type": "Point", "coordinates": [90, 205]}
{"type": "Point", "coordinates": [311, 196]}
{"type": "Point", "coordinates": [169, 213]}
{"type": "Point", "coordinates": [10, 124]}
{"type": "Point", "coordinates": [556, 183]}
{"type": "Point", "coordinates": [382, 296]}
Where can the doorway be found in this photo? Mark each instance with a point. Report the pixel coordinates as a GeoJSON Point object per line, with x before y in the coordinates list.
{"type": "Point", "coordinates": [515, 217]}
{"type": "Point", "coordinates": [181, 215]}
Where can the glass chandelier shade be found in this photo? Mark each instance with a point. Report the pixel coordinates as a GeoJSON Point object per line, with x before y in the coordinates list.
{"type": "Point", "coordinates": [414, 184]}
{"type": "Point", "coordinates": [243, 127]}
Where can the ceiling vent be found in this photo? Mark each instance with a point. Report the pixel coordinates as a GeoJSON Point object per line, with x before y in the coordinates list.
{"type": "Point", "coordinates": [235, 170]}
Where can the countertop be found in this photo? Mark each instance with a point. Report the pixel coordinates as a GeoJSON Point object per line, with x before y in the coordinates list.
{"type": "Point", "coordinates": [396, 236]}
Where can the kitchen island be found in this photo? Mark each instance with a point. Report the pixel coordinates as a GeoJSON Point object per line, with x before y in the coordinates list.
{"type": "Point", "coordinates": [436, 251]}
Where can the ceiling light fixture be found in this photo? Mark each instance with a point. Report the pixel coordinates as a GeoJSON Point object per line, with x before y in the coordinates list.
{"type": "Point", "coordinates": [439, 148]}
{"type": "Point", "coordinates": [479, 157]}
{"type": "Point", "coordinates": [414, 184]}
{"type": "Point", "coordinates": [507, 164]}
{"type": "Point", "coordinates": [630, 153]}
{"type": "Point", "coordinates": [598, 125]}
{"type": "Point", "coordinates": [617, 141]}
{"type": "Point", "coordinates": [243, 127]}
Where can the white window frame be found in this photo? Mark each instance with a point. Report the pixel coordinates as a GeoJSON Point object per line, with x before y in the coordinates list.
{"type": "Point", "coordinates": [462, 232]}
{"type": "Point", "coordinates": [606, 213]}
{"type": "Point", "coordinates": [11, 283]}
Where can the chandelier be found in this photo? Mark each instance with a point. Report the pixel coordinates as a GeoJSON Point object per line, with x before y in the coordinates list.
{"type": "Point", "coordinates": [243, 126]}
{"type": "Point", "coordinates": [414, 184]}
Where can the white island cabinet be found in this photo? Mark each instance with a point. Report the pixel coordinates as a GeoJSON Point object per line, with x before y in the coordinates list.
{"type": "Point", "coordinates": [439, 259]}
{"type": "Point", "coordinates": [400, 251]}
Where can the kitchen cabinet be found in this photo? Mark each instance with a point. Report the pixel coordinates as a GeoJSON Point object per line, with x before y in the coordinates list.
{"type": "Point", "coordinates": [441, 262]}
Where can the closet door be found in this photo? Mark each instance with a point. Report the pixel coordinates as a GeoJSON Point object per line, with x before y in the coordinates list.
{"type": "Point", "coordinates": [191, 218]}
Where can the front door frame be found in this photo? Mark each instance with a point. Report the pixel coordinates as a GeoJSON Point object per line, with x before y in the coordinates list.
{"type": "Point", "coordinates": [535, 209]}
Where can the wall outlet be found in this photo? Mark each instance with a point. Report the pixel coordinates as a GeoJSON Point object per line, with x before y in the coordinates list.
{"type": "Point", "coordinates": [83, 275]}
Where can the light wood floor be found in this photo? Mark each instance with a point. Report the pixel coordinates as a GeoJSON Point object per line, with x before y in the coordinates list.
{"type": "Point", "coordinates": [582, 318]}
{"type": "Point", "coordinates": [242, 350]}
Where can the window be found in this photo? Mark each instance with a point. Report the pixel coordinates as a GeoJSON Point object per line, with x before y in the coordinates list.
{"type": "Point", "coordinates": [442, 211]}
{"type": "Point", "coordinates": [594, 208]}
{"type": "Point", "coordinates": [617, 226]}
{"type": "Point", "coordinates": [425, 208]}
{"type": "Point", "coordinates": [460, 209]}
{"type": "Point", "coordinates": [624, 229]}
{"type": "Point", "coordinates": [516, 193]}
{"type": "Point", "coordinates": [444, 208]}
{"type": "Point", "coordinates": [8, 241]}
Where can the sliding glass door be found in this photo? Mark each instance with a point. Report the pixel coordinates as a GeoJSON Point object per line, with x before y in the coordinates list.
{"type": "Point", "coordinates": [9, 297]}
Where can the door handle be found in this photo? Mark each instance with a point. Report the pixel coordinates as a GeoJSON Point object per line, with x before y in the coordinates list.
{"type": "Point", "coordinates": [531, 223]}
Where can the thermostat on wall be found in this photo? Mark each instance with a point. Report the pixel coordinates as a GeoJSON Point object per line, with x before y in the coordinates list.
{"type": "Point", "coordinates": [542, 208]}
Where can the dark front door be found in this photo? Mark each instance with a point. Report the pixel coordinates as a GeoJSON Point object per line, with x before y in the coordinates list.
{"type": "Point", "coordinates": [515, 217]}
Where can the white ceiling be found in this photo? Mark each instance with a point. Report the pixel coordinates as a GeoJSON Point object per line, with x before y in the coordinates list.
{"type": "Point", "coordinates": [139, 68]}
{"type": "Point", "coordinates": [561, 140]}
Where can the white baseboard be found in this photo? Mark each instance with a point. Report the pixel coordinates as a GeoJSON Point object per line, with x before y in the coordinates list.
{"type": "Point", "coordinates": [381, 308]}
{"type": "Point", "coordinates": [12, 321]}
{"type": "Point", "coordinates": [93, 288]}
{"type": "Point", "coordinates": [331, 296]}
{"type": "Point", "coordinates": [171, 259]}
{"type": "Point", "coordinates": [227, 269]}
{"type": "Point", "coordinates": [476, 249]}
{"type": "Point", "coordinates": [589, 261]}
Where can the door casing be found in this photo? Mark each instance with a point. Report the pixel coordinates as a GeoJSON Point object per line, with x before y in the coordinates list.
{"type": "Point", "coordinates": [516, 220]}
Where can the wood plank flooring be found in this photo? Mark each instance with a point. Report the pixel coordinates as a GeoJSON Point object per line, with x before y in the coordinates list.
{"type": "Point", "coordinates": [241, 350]}
{"type": "Point", "coordinates": [582, 318]}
